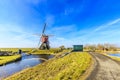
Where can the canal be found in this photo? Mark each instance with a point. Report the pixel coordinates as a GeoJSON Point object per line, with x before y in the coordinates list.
{"type": "Point", "coordinates": [25, 62]}
{"type": "Point", "coordinates": [116, 54]}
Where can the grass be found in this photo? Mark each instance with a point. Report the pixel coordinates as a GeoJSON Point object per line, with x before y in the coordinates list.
{"type": "Point", "coordinates": [69, 67]}
{"type": "Point", "coordinates": [51, 51]}
{"type": "Point", "coordinates": [110, 52]}
{"type": "Point", "coordinates": [32, 50]}
{"type": "Point", "coordinates": [14, 50]}
{"type": "Point", "coordinates": [8, 59]}
{"type": "Point", "coordinates": [113, 57]}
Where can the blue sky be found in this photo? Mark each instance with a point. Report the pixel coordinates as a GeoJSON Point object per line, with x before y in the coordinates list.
{"type": "Point", "coordinates": [70, 21]}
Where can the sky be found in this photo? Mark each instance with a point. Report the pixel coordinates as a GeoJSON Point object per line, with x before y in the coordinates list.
{"type": "Point", "coordinates": [72, 22]}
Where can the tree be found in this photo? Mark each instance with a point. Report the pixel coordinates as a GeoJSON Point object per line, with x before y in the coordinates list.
{"type": "Point", "coordinates": [100, 47]}
{"type": "Point", "coordinates": [90, 47]}
{"type": "Point", "coordinates": [62, 47]}
{"type": "Point", "coordinates": [110, 47]}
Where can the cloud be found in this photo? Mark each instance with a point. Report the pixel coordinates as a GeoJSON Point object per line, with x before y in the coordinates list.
{"type": "Point", "coordinates": [16, 36]}
{"type": "Point", "coordinates": [65, 28]}
{"type": "Point", "coordinates": [114, 22]}
{"type": "Point", "coordinates": [108, 25]}
{"type": "Point", "coordinates": [108, 32]}
{"type": "Point", "coordinates": [58, 41]}
{"type": "Point", "coordinates": [10, 28]}
{"type": "Point", "coordinates": [104, 34]}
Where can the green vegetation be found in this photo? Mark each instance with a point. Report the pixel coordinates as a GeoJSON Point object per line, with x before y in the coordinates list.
{"type": "Point", "coordinates": [15, 50]}
{"type": "Point", "coordinates": [51, 51]}
{"type": "Point", "coordinates": [33, 50]}
{"type": "Point", "coordinates": [100, 47]}
{"type": "Point", "coordinates": [115, 58]}
{"type": "Point", "coordinates": [106, 53]}
{"type": "Point", "coordinates": [69, 67]}
{"type": "Point", "coordinates": [112, 57]}
{"type": "Point", "coordinates": [8, 59]}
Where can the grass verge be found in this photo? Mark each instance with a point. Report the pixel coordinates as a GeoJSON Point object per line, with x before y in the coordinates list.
{"type": "Point", "coordinates": [112, 57]}
{"type": "Point", "coordinates": [69, 67]}
{"type": "Point", "coordinates": [7, 59]}
{"type": "Point", "coordinates": [115, 58]}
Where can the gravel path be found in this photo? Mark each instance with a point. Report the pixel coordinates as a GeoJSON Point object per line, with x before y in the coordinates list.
{"type": "Point", "coordinates": [104, 68]}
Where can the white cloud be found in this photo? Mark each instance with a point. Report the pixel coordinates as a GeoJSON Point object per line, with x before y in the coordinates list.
{"type": "Point", "coordinates": [67, 42]}
{"type": "Point", "coordinates": [10, 28]}
{"type": "Point", "coordinates": [107, 33]}
{"type": "Point", "coordinates": [108, 25]}
{"type": "Point", "coordinates": [114, 22]}
{"type": "Point", "coordinates": [65, 28]}
{"type": "Point", "coordinates": [15, 36]}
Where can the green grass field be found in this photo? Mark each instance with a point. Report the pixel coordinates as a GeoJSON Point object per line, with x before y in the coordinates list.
{"type": "Point", "coordinates": [8, 59]}
{"type": "Point", "coordinates": [32, 50]}
{"type": "Point", "coordinates": [71, 66]}
{"type": "Point", "coordinates": [51, 51]}
{"type": "Point", "coordinates": [16, 49]}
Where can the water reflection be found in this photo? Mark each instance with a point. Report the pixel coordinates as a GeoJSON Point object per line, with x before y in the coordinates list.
{"type": "Point", "coordinates": [25, 62]}
{"type": "Point", "coordinates": [117, 54]}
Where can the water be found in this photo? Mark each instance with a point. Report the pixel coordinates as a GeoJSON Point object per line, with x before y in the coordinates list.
{"type": "Point", "coordinates": [25, 62]}
{"type": "Point", "coordinates": [116, 55]}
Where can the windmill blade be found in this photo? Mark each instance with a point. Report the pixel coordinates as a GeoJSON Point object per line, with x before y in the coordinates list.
{"type": "Point", "coordinates": [37, 34]}
{"type": "Point", "coordinates": [44, 29]}
{"type": "Point", "coordinates": [38, 43]}
{"type": "Point", "coordinates": [50, 35]}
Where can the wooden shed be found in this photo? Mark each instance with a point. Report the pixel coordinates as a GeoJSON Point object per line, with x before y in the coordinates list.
{"type": "Point", "coordinates": [77, 47]}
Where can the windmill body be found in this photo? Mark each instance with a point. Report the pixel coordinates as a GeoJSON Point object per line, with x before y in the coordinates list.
{"type": "Point", "coordinates": [44, 40]}
{"type": "Point", "coordinates": [45, 43]}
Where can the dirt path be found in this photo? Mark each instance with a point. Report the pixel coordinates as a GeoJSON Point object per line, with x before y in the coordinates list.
{"type": "Point", "coordinates": [105, 68]}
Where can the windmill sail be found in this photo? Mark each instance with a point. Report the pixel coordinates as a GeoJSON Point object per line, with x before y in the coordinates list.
{"type": "Point", "coordinates": [44, 29]}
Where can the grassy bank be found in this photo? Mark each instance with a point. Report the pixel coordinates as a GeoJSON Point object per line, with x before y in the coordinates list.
{"type": "Point", "coordinates": [113, 57]}
{"type": "Point", "coordinates": [51, 51]}
{"type": "Point", "coordinates": [14, 50]}
{"type": "Point", "coordinates": [8, 59]}
{"type": "Point", "coordinates": [71, 66]}
{"type": "Point", "coordinates": [106, 53]}
{"type": "Point", "coordinates": [32, 50]}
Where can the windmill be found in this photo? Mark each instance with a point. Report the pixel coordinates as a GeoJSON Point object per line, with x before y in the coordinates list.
{"type": "Point", "coordinates": [44, 39]}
